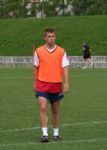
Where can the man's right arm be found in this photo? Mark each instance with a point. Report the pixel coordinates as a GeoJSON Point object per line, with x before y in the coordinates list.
{"type": "Point", "coordinates": [35, 74]}
{"type": "Point", "coordinates": [35, 69]}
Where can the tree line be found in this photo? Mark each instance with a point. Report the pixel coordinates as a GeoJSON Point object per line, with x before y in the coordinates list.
{"type": "Point", "coordinates": [90, 7]}
{"type": "Point", "coordinates": [46, 8]}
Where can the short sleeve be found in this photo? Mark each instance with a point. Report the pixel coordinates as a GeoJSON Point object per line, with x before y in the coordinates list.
{"type": "Point", "coordinates": [65, 61]}
{"type": "Point", "coordinates": [36, 59]}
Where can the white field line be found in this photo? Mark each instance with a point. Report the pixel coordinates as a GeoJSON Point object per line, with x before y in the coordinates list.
{"type": "Point", "coordinates": [62, 142]}
{"type": "Point", "coordinates": [63, 125]}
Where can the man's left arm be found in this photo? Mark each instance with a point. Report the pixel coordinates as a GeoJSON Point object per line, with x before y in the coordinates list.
{"type": "Point", "coordinates": [65, 66]}
{"type": "Point", "coordinates": [66, 79]}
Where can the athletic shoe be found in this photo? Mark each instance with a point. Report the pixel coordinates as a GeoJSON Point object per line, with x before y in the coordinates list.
{"type": "Point", "coordinates": [57, 138]}
{"type": "Point", "coordinates": [44, 139]}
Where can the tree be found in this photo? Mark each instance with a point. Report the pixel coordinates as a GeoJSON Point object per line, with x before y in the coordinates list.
{"type": "Point", "coordinates": [90, 7]}
{"type": "Point", "coordinates": [13, 8]}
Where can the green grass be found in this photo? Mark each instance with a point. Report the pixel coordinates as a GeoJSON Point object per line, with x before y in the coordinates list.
{"type": "Point", "coordinates": [18, 35]}
{"type": "Point", "coordinates": [83, 112]}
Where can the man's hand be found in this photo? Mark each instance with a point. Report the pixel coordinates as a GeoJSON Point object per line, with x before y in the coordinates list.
{"type": "Point", "coordinates": [66, 87]}
{"type": "Point", "coordinates": [34, 86]}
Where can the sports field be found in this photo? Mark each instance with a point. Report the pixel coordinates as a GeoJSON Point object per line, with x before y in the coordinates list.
{"type": "Point", "coordinates": [83, 112]}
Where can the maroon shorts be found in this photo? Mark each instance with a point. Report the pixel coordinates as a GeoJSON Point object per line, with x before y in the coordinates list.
{"type": "Point", "coordinates": [48, 87]}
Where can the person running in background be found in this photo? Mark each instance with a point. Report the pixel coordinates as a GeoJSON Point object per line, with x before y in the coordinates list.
{"type": "Point", "coordinates": [50, 65]}
{"type": "Point", "coordinates": [87, 56]}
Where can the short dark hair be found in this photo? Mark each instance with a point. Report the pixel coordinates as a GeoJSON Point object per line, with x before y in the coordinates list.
{"type": "Point", "coordinates": [50, 30]}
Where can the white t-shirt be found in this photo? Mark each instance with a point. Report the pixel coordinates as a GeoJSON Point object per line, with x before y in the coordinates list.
{"type": "Point", "coordinates": [65, 61]}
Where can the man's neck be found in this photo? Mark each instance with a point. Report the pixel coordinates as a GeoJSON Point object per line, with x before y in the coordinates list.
{"type": "Point", "coordinates": [50, 48]}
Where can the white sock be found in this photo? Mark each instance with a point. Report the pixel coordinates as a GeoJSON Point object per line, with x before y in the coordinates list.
{"type": "Point", "coordinates": [56, 131]}
{"type": "Point", "coordinates": [45, 131]}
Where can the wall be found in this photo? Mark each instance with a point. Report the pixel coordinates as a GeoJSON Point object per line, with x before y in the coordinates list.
{"type": "Point", "coordinates": [27, 61]}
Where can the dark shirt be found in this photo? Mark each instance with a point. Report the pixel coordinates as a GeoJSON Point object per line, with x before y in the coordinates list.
{"type": "Point", "coordinates": [86, 51]}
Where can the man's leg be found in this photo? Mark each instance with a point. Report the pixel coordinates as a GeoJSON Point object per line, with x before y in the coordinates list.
{"type": "Point", "coordinates": [85, 63]}
{"type": "Point", "coordinates": [43, 107]}
{"type": "Point", "coordinates": [90, 62]}
{"type": "Point", "coordinates": [55, 119]}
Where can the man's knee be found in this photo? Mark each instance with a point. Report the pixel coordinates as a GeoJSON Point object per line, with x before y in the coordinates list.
{"type": "Point", "coordinates": [55, 111]}
{"type": "Point", "coordinates": [43, 109]}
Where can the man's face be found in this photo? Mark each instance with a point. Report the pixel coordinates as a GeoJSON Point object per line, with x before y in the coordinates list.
{"type": "Point", "coordinates": [50, 38]}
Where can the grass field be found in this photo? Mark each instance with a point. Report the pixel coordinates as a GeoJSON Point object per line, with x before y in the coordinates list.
{"type": "Point", "coordinates": [18, 35]}
{"type": "Point", "coordinates": [83, 112]}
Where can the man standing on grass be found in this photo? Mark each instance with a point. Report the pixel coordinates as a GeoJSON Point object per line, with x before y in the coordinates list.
{"type": "Point", "coordinates": [50, 66]}
{"type": "Point", "coordinates": [87, 56]}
